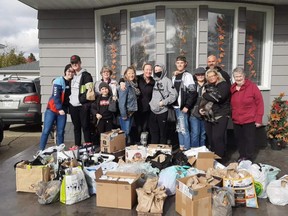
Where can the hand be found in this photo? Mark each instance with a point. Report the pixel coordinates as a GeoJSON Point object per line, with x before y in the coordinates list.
{"type": "Point", "coordinates": [201, 111]}
{"type": "Point", "coordinates": [61, 112]}
{"type": "Point", "coordinates": [122, 86]}
{"type": "Point", "coordinates": [258, 125]}
{"type": "Point", "coordinates": [124, 118]}
{"type": "Point", "coordinates": [161, 103]}
{"type": "Point", "coordinates": [185, 110]}
{"type": "Point", "coordinates": [175, 73]}
{"type": "Point", "coordinates": [98, 116]}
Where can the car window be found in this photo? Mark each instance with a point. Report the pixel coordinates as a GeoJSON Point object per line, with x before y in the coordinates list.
{"type": "Point", "coordinates": [16, 88]}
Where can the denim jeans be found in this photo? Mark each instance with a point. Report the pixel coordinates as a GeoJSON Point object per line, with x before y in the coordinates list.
{"type": "Point", "coordinates": [126, 124]}
{"type": "Point", "coordinates": [198, 132]}
{"type": "Point", "coordinates": [49, 119]}
{"type": "Point", "coordinates": [183, 129]}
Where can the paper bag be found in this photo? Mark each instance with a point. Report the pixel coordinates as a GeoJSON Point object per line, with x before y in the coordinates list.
{"type": "Point", "coordinates": [27, 177]}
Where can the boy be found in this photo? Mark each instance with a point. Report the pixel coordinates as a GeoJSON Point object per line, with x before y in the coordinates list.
{"type": "Point", "coordinates": [184, 84]}
{"type": "Point", "coordinates": [102, 117]}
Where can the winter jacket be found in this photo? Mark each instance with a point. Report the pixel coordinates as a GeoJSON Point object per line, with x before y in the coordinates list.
{"type": "Point", "coordinates": [247, 103]}
{"type": "Point", "coordinates": [165, 86]}
{"type": "Point", "coordinates": [55, 102]}
{"type": "Point", "coordinates": [221, 107]}
{"type": "Point", "coordinates": [127, 100]}
{"type": "Point", "coordinates": [146, 90]}
{"type": "Point", "coordinates": [187, 95]}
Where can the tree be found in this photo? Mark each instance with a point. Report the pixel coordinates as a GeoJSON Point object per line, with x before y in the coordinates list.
{"type": "Point", "coordinates": [11, 57]}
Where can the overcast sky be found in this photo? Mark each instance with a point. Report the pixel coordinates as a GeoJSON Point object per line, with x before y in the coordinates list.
{"type": "Point", "coordinates": [18, 27]}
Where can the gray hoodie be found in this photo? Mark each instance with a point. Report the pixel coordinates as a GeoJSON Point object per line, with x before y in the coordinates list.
{"type": "Point", "coordinates": [163, 85]}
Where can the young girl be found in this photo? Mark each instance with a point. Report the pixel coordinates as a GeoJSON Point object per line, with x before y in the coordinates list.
{"type": "Point", "coordinates": [128, 101]}
{"type": "Point", "coordinates": [102, 117]}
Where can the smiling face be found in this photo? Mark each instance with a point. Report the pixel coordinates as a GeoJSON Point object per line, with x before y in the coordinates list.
{"type": "Point", "coordinates": [105, 74]}
{"type": "Point", "coordinates": [147, 71]}
{"type": "Point", "coordinates": [130, 75]}
{"type": "Point", "coordinates": [180, 65]}
{"type": "Point", "coordinates": [239, 78]}
{"type": "Point", "coordinates": [69, 74]}
{"type": "Point", "coordinates": [212, 77]}
{"type": "Point", "coordinates": [76, 66]}
{"type": "Point", "coordinates": [104, 91]}
{"type": "Point", "coordinates": [212, 61]}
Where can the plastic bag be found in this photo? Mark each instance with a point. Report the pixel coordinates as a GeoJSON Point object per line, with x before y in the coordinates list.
{"type": "Point", "coordinates": [222, 202]}
{"type": "Point", "coordinates": [277, 191]}
{"type": "Point", "coordinates": [48, 192]}
{"type": "Point", "coordinates": [168, 176]}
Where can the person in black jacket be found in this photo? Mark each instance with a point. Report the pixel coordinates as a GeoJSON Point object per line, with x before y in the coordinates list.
{"type": "Point", "coordinates": [216, 131]}
{"type": "Point", "coordinates": [79, 105]}
{"type": "Point", "coordinates": [213, 63]}
{"type": "Point", "coordinates": [102, 117]}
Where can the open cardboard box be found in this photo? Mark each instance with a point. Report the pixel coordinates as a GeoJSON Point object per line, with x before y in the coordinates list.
{"type": "Point", "coordinates": [112, 141]}
{"type": "Point", "coordinates": [115, 193]}
{"type": "Point", "coordinates": [194, 202]}
{"type": "Point", "coordinates": [204, 160]}
{"type": "Point", "coordinates": [135, 152]}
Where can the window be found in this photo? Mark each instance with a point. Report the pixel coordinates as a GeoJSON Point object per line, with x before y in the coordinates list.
{"type": "Point", "coordinates": [181, 37]}
{"type": "Point", "coordinates": [220, 36]}
{"type": "Point", "coordinates": [254, 45]}
{"type": "Point", "coordinates": [111, 42]}
{"type": "Point", "coordinates": [142, 38]}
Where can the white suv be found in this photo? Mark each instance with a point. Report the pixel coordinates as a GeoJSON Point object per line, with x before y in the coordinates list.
{"type": "Point", "coordinates": [20, 100]}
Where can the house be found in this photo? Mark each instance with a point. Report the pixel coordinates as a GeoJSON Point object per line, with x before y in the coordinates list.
{"type": "Point", "coordinates": [251, 33]}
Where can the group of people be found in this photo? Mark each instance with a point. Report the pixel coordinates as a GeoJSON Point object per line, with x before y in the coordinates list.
{"type": "Point", "coordinates": [203, 102]}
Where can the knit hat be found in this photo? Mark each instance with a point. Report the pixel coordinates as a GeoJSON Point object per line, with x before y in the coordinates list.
{"type": "Point", "coordinates": [199, 70]}
{"type": "Point", "coordinates": [104, 84]}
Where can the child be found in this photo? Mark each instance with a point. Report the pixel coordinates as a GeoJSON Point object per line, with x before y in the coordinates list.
{"type": "Point", "coordinates": [102, 117]}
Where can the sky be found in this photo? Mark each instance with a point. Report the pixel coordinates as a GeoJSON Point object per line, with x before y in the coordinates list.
{"type": "Point", "coordinates": [18, 27]}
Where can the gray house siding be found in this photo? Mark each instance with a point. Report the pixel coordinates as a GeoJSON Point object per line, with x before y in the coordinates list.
{"type": "Point", "coordinates": [63, 33]}
{"type": "Point", "coordinates": [279, 79]}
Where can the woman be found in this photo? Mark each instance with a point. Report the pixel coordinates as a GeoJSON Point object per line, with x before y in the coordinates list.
{"type": "Point", "coordinates": [145, 83]}
{"type": "Point", "coordinates": [216, 131]}
{"type": "Point", "coordinates": [106, 74]}
{"type": "Point", "coordinates": [247, 113]}
{"type": "Point", "coordinates": [128, 101]}
{"type": "Point", "coordinates": [164, 94]}
{"type": "Point", "coordinates": [198, 133]}
{"type": "Point", "coordinates": [57, 107]}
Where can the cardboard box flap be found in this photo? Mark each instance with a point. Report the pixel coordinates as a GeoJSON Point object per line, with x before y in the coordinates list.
{"type": "Point", "coordinates": [208, 155]}
{"type": "Point", "coordinates": [117, 175]}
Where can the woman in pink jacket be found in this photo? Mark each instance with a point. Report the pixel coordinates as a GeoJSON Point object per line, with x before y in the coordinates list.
{"type": "Point", "coordinates": [247, 113]}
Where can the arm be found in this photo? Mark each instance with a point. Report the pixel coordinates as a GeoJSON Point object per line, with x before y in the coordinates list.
{"type": "Point", "coordinates": [223, 91]}
{"type": "Point", "coordinates": [191, 93]}
{"type": "Point", "coordinates": [122, 102]}
{"type": "Point", "coordinates": [58, 93]}
{"type": "Point", "coordinates": [259, 106]}
{"type": "Point", "coordinates": [172, 93]}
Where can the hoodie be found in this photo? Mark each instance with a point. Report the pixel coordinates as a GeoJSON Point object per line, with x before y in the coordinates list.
{"type": "Point", "coordinates": [163, 90]}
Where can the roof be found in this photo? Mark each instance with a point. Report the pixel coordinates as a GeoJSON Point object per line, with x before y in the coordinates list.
{"type": "Point", "coordinates": [98, 4]}
{"type": "Point", "coordinates": [23, 67]}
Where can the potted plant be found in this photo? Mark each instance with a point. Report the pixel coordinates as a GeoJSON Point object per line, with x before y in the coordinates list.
{"type": "Point", "coordinates": [277, 127]}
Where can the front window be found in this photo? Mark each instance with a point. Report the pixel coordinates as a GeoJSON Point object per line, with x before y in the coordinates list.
{"type": "Point", "coordinates": [254, 45]}
{"type": "Point", "coordinates": [181, 37]}
{"type": "Point", "coordinates": [111, 42]}
{"type": "Point", "coordinates": [142, 38]}
{"type": "Point", "coordinates": [220, 37]}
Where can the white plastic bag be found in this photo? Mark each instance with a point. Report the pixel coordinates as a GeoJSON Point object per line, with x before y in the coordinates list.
{"type": "Point", "coordinates": [277, 191]}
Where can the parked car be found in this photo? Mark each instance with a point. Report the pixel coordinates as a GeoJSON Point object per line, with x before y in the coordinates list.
{"type": "Point", "coordinates": [20, 100]}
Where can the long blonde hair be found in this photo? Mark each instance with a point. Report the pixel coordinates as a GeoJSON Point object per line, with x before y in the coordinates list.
{"type": "Point", "coordinates": [219, 75]}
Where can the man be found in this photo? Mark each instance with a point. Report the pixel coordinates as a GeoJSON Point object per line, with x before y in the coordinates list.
{"type": "Point", "coordinates": [213, 63]}
{"type": "Point", "coordinates": [187, 96]}
{"type": "Point", "coordinates": [79, 105]}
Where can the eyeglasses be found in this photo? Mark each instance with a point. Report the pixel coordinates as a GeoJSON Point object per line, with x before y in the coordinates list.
{"type": "Point", "coordinates": [70, 71]}
{"type": "Point", "coordinates": [211, 76]}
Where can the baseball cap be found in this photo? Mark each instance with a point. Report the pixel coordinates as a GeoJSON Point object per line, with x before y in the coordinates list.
{"type": "Point", "coordinates": [75, 59]}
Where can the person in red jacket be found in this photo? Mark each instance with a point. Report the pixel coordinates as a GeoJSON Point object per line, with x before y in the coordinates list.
{"type": "Point", "coordinates": [247, 113]}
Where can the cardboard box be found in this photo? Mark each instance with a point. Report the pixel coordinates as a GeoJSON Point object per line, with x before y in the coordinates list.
{"type": "Point", "coordinates": [194, 202]}
{"type": "Point", "coordinates": [135, 153]}
{"type": "Point", "coordinates": [27, 177]}
{"type": "Point", "coordinates": [116, 193]}
{"type": "Point", "coordinates": [203, 161]}
{"type": "Point", "coordinates": [112, 141]}
{"type": "Point", "coordinates": [153, 148]}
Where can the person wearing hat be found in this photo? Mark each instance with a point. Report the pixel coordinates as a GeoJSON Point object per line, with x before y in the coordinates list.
{"type": "Point", "coordinates": [79, 105]}
{"type": "Point", "coordinates": [57, 107]}
{"type": "Point", "coordinates": [198, 133]}
{"type": "Point", "coordinates": [102, 117]}
{"type": "Point", "coordinates": [184, 84]}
